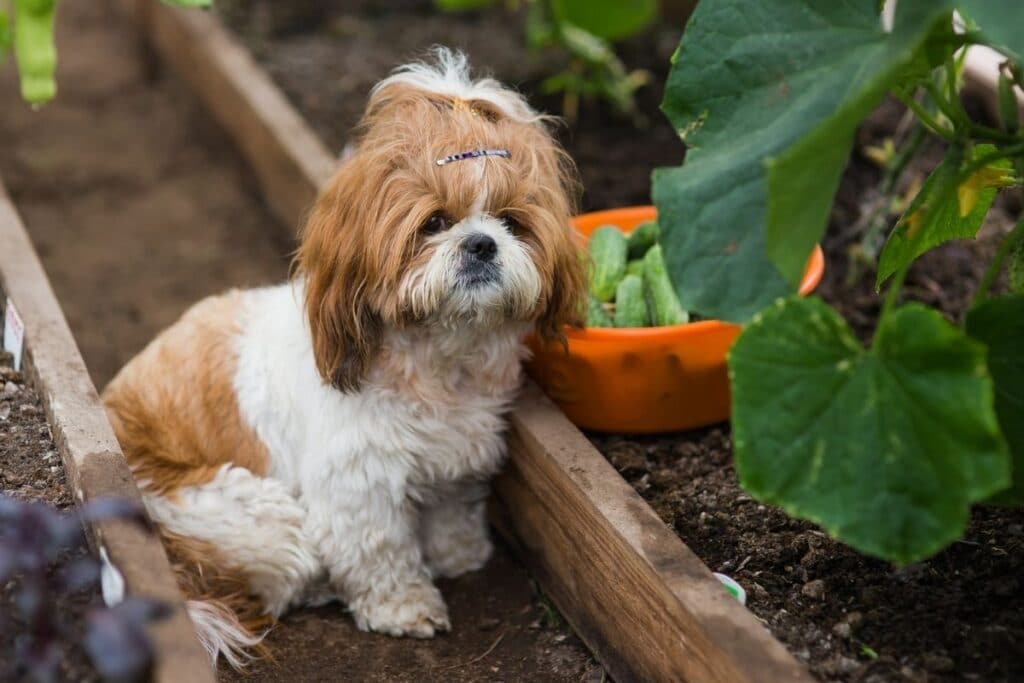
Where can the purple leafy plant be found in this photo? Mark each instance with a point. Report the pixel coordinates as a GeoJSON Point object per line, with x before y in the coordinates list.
{"type": "Point", "coordinates": [34, 537]}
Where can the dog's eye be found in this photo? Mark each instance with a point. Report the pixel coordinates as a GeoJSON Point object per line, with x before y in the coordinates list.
{"type": "Point", "coordinates": [437, 222]}
{"type": "Point", "coordinates": [513, 225]}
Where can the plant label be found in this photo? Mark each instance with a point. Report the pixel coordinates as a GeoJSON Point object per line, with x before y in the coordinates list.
{"type": "Point", "coordinates": [14, 333]}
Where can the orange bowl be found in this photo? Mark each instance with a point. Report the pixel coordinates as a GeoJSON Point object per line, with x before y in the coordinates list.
{"type": "Point", "coordinates": [648, 379]}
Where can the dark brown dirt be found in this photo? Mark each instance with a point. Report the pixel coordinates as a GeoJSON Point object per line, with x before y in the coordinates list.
{"type": "Point", "coordinates": [528, 639]}
{"type": "Point", "coordinates": [328, 69]}
{"type": "Point", "coordinates": [139, 207]}
{"type": "Point", "coordinates": [31, 471]}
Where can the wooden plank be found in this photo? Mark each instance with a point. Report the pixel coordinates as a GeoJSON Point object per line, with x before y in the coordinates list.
{"type": "Point", "coordinates": [640, 599]}
{"type": "Point", "coordinates": [95, 466]}
{"type": "Point", "coordinates": [289, 160]}
{"type": "Point", "coordinates": [647, 607]}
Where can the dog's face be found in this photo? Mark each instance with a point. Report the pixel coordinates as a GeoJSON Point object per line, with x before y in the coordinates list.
{"type": "Point", "coordinates": [397, 239]}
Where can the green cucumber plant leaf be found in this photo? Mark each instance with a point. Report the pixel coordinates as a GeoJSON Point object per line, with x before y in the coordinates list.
{"type": "Point", "coordinates": [937, 214]}
{"type": "Point", "coordinates": [1001, 23]}
{"type": "Point", "coordinates": [749, 82]}
{"type": "Point", "coordinates": [999, 324]}
{"type": "Point", "coordinates": [870, 443]}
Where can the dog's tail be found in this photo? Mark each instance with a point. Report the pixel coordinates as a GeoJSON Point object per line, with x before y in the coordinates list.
{"type": "Point", "coordinates": [221, 633]}
{"type": "Point", "coordinates": [228, 619]}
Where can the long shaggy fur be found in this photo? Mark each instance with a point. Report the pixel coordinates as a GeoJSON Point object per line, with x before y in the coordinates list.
{"type": "Point", "coordinates": [332, 437]}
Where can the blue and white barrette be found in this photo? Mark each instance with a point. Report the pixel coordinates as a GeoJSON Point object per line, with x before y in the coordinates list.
{"type": "Point", "coordinates": [473, 154]}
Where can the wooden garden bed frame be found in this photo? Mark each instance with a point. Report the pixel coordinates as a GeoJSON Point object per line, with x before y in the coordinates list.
{"type": "Point", "coordinates": [95, 466]}
{"type": "Point", "coordinates": [646, 606]}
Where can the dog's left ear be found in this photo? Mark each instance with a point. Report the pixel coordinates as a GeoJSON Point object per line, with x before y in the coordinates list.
{"type": "Point", "coordinates": [333, 261]}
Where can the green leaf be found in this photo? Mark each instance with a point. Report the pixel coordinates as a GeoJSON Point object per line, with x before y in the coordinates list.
{"type": "Point", "coordinates": [884, 448]}
{"type": "Point", "coordinates": [999, 324]}
{"type": "Point", "coordinates": [749, 81]}
{"type": "Point", "coordinates": [462, 5]}
{"type": "Point", "coordinates": [608, 19]}
{"type": "Point", "coordinates": [934, 216]}
{"type": "Point", "coordinates": [1001, 23]}
{"type": "Point", "coordinates": [189, 3]}
{"type": "Point", "coordinates": [5, 36]}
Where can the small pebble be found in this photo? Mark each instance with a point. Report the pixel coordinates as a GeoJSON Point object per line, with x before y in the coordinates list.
{"type": "Point", "coordinates": [27, 409]}
{"type": "Point", "coordinates": [846, 665]}
{"type": "Point", "coordinates": [489, 623]}
{"type": "Point", "coordinates": [10, 388]}
{"type": "Point", "coordinates": [814, 589]}
{"type": "Point", "coordinates": [5, 412]}
{"type": "Point", "coordinates": [937, 663]}
{"type": "Point", "coordinates": [842, 629]}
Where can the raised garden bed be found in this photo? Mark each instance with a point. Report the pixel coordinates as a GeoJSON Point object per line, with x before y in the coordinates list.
{"type": "Point", "coordinates": [59, 448]}
{"type": "Point", "coordinates": [647, 607]}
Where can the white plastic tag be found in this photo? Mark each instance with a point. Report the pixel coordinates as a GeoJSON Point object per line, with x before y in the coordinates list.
{"type": "Point", "coordinates": [14, 333]}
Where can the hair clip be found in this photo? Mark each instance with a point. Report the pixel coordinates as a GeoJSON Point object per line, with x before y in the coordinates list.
{"type": "Point", "coordinates": [473, 154]}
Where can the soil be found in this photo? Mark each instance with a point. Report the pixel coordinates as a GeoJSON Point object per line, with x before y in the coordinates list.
{"type": "Point", "coordinates": [138, 207]}
{"type": "Point", "coordinates": [955, 617]}
{"type": "Point", "coordinates": [31, 471]}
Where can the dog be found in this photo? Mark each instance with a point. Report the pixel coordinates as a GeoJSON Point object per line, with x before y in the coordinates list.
{"type": "Point", "coordinates": [333, 437]}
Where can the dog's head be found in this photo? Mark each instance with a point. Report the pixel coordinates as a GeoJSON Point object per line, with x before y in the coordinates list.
{"type": "Point", "coordinates": [401, 236]}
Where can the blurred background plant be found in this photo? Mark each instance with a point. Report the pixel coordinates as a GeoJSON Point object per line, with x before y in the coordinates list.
{"type": "Point", "coordinates": [586, 33]}
{"type": "Point", "coordinates": [26, 27]}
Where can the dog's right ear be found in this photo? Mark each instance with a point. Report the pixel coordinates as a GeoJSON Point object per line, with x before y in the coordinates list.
{"type": "Point", "coordinates": [332, 259]}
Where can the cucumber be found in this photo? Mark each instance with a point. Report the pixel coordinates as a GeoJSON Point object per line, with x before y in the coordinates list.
{"type": "Point", "coordinates": [630, 305]}
{"type": "Point", "coordinates": [661, 295]}
{"type": "Point", "coordinates": [608, 253]}
{"type": "Point", "coordinates": [635, 267]}
{"type": "Point", "coordinates": [597, 316]}
{"type": "Point", "coordinates": [643, 237]}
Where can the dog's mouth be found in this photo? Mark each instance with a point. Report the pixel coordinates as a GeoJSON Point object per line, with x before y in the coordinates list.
{"type": "Point", "coordinates": [475, 274]}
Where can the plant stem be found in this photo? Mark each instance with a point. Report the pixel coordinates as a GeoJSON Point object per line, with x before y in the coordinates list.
{"type": "Point", "coordinates": [945, 106]}
{"type": "Point", "coordinates": [981, 162]}
{"type": "Point", "coordinates": [1015, 237]}
{"type": "Point", "coordinates": [892, 295]}
{"type": "Point", "coordinates": [991, 134]}
{"type": "Point", "coordinates": [926, 119]}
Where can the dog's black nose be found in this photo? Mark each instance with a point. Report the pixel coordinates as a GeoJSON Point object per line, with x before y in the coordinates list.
{"type": "Point", "coordinates": [481, 246]}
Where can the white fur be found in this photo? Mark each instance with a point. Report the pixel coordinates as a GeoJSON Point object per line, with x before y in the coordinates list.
{"type": "Point", "coordinates": [367, 467]}
{"type": "Point", "coordinates": [220, 633]}
{"type": "Point", "coordinates": [434, 290]}
{"type": "Point", "coordinates": [448, 74]}
{"type": "Point", "coordinates": [254, 521]}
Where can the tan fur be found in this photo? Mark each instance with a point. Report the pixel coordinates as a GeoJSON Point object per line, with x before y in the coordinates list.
{"type": "Point", "coordinates": [203, 574]}
{"type": "Point", "coordinates": [357, 244]}
{"type": "Point", "coordinates": [173, 407]}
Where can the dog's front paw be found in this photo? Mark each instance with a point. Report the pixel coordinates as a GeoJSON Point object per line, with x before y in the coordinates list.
{"type": "Point", "coordinates": [416, 610]}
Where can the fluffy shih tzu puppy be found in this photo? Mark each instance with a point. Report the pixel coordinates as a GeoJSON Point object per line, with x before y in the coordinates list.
{"type": "Point", "coordinates": [333, 437]}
